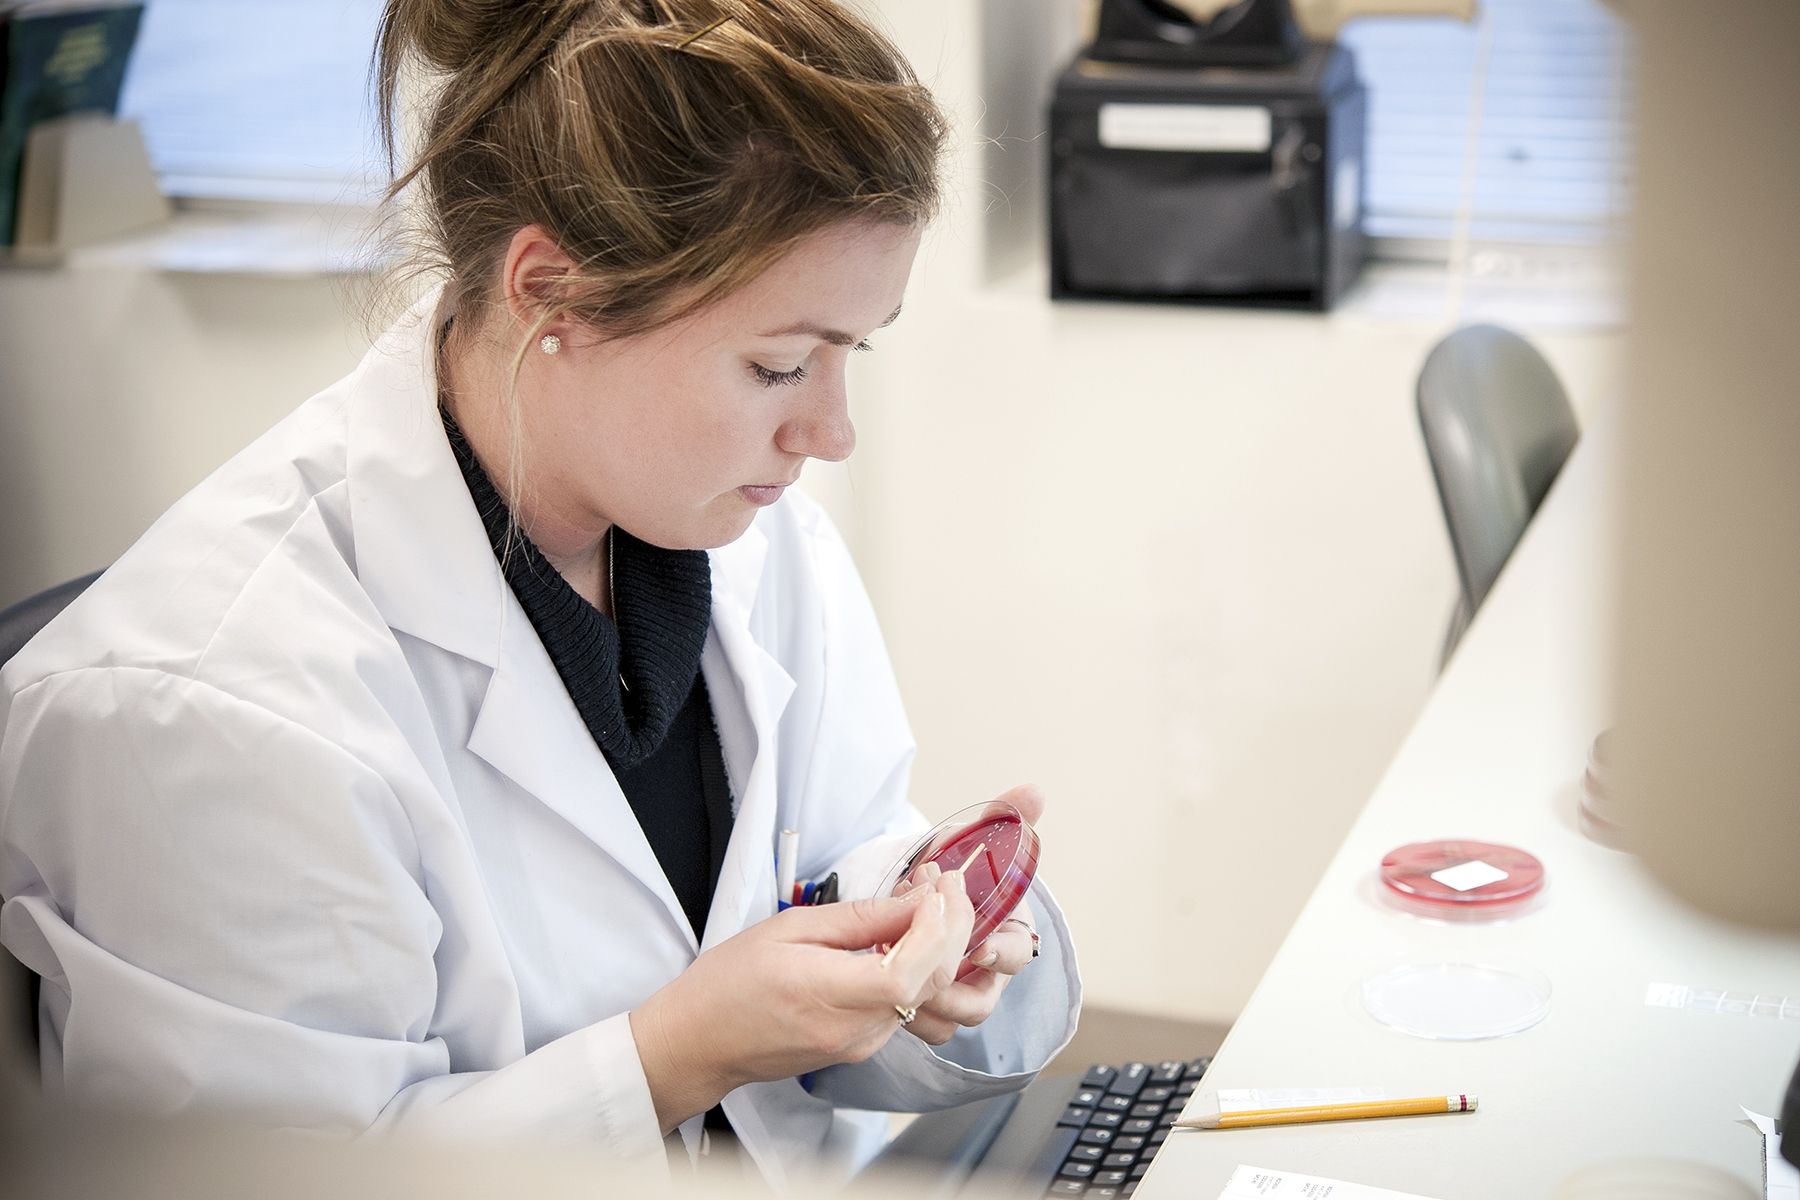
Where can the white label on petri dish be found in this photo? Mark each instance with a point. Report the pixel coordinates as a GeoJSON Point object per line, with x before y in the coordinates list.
{"type": "Point", "coordinates": [1468, 876]}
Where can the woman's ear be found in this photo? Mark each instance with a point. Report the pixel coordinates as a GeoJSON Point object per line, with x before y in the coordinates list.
{"type": "Point", "coordinates": [530, 273]}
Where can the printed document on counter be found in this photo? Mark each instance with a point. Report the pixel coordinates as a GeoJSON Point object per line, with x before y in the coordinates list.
{"type": "Point", "coordinates": [1262, 1183]}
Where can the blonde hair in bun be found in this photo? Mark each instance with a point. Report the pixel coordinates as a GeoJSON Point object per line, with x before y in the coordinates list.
{"type": "Point", "coordinates": [672, 148]}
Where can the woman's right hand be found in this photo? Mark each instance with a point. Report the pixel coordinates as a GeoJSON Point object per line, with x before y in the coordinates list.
{"type": "Point", "coordinates": [787, 996]}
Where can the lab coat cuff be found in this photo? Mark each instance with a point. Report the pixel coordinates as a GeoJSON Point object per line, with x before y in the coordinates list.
{"type": "Point", "coordinates": [624, 1109]}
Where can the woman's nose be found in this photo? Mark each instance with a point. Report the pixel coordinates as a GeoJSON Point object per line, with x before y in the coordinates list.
{"type": "Point", "coordinates": [824, 430]}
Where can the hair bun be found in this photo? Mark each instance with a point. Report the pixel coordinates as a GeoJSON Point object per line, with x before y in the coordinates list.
{"type": "Point", "coordinates": [449, 35]}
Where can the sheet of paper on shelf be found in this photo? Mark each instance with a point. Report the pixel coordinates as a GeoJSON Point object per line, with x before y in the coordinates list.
{"type": "Point", "coordinates": [1264, 1183]}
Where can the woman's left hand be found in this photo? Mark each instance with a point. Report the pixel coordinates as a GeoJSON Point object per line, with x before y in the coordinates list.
{"type": "Point", "coordinates": [971, 1000]}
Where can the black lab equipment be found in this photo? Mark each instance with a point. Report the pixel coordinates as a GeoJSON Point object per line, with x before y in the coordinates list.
{"type": "Point", "coordinates": [1215, 160]}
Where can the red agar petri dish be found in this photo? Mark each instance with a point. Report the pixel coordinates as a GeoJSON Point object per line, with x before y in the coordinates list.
{"type": "Point", "coordinates": [1462, 878]}
{"type": "Point", "coordinates": [997, 850]}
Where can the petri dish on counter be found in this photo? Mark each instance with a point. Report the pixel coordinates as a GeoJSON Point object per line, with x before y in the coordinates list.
{"type": "Point", "coordinates": [1461, 880]}
{"type": "Point", "coordinates": [997, 849]}
{"type": "Point", "coordinates": [1457, 1001]}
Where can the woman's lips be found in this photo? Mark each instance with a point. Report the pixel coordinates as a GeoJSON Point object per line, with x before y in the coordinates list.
{"type": "Point", "coordinates": [762, 494]}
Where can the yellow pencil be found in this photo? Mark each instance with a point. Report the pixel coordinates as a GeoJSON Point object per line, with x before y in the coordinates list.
{"type": "Point", "coordinates": [1349, 1111]}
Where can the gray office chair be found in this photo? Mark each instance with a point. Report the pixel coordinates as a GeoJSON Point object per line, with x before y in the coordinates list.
{"type": "Point", "coordinates": [18, 986]}
{"type": "Point", "coordinates": [1498, 428]}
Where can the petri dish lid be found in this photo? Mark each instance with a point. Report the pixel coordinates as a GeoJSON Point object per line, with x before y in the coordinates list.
{"type": "Point", "coordinates": [1456, 1001]}
{"type": "Point", "coordinates": [1462, 878]}
{"type": "Point", "coordinates": [998, 851]}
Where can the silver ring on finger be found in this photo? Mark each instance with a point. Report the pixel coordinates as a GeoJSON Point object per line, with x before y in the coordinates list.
{"type": "Point", "coordinates": [906, 1013]}
{"type": "Point", "coordinates": [1035, 939]}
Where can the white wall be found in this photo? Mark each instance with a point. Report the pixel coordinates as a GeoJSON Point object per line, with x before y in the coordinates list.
{"type": "Point", "coordinates": [1183, 568]}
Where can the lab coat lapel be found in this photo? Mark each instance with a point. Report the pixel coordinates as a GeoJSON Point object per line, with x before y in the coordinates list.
{"type": "Point", "coordinates": [750, 690]}
{"type": "Point", "coordinates": [530, 731]}
{"type": "Point", "coordinates": [423, 556]}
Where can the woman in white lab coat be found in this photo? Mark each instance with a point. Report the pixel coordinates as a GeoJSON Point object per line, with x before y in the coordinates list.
{"type": "Point", "coordinates": [424, 766]}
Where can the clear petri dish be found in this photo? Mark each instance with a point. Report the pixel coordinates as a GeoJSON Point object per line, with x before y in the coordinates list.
{"type": "Point", "coordinates": [1459, 879]}
{"type": "Point", "coordinates": [1457, 1001]}
{"type": "Point", "coordinates": [997, 849]}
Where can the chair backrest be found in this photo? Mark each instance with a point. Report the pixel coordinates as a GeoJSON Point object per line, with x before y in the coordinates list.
{"type": "Point", "coordinates": [18, 986]}
{"type": "Point", "coordinates": [1498, 427]}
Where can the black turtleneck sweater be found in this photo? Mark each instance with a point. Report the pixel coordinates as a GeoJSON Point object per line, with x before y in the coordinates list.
{"type": "Point", "coordinates": [636, 683]}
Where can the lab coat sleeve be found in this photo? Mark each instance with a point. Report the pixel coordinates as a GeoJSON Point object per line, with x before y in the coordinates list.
{"type": "Point", "coordinates": [229, 913]}
{"type": "Point", "coordinates": [863, 734]}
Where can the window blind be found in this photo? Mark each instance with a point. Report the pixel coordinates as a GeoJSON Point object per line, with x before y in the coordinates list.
{"type": "Point", "coordinates": [1538, 92]}
{"type": "Point", "coordinates": [268, 99]}
{"type": "Point", "coordinates": [258, 99]}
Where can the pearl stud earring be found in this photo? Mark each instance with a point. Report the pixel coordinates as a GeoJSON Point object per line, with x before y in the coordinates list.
{"type": "Point", "coordinates": [550, 343]}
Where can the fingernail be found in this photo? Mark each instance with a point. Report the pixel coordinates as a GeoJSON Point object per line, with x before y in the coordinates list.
{"type": "Point", "coordinates": [932, 871]}
{"type": "Point", "coordinates": [992, 957]}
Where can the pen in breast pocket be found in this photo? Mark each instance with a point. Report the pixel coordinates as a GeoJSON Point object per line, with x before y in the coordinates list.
{"type": "Point", "coordinates": [787, 854]}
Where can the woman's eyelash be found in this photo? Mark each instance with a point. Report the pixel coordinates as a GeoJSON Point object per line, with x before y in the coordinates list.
{"type": "Point", "coordinates": [770, 378]}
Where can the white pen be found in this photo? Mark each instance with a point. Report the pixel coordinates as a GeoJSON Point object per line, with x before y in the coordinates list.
{"type": "Point", "coordinates": [787, 854]}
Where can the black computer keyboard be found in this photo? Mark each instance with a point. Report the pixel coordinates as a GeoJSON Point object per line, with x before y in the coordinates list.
{"type": "Point", "coordinates": [1115, 1122]}
{"type": "Point", "coordinates": [1065, 1135]}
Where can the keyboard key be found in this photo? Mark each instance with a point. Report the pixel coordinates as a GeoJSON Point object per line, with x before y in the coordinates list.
{"type": "Point", "coordinates": [1186, 1087]}
{"type": "Point", "coordinates": [1156, 1095]}
{"type": "Point", "coordinates": [1169, 1118]}
{"type": "Point", "coordinates": [1119, 1162]}
{"type": "Point", "coordinates": [1103, 1193]}
{"type": "Point", "coordinates": [1110, 1120]}
{"type": "Point", "coordinates": [1159, 1137]}
{"type": "Point", "coordinates": [1109, 1179]}
{"type": "Point", "coordinates": [1195, 1069]}
{"type": "Point", "coordinates": [1128, 1081]}
{"type": "Point", "coordinates": [1146, 1110]}
{"type": "Point", "coordinates": [1128, 1143]}
{"type": "Point", "coordinates": [1168, 1072]}
{"type": "Point", "coordinates": [1096, 1137]}
{"type": "Point", "coordinates": [1137, 1172]}
{"type": "Point", "coordinates": [1087, 1097]}
{"type": "Point", "coordinates": [1098, 1076]}
{"type": "Point", "coordinates": [1077, 1170]}
{"type": "Point", "coordinates": [1135, 1125]}
{"type": "Point", "coordinates": [1130, 1187]}
{"type": "Point", "coordinates": [1075, 1116]}
{"type": "Point", "coordinates": [1116, 1103]}
{"type": "Point", "coordinates": [1087, 1154]}
{"type": "Point", "coordinates": [1067, 1187]}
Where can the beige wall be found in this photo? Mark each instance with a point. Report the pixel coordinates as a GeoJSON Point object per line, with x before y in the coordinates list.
{"type": "Point", "coordinates": [1183, 568]}
{"type": "Point", "coordinates": [120, 389]}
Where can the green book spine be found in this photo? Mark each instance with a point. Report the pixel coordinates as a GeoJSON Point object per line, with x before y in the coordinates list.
{"type": "Point", "coordinates": [57, 63]}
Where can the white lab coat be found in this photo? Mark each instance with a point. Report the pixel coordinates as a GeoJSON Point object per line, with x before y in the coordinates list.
{"type": "Point", "coordinates": [297, 819]}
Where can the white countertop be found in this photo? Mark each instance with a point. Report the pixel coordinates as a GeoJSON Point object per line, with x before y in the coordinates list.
{"type": "Point", "coordinates": [1498, 755]}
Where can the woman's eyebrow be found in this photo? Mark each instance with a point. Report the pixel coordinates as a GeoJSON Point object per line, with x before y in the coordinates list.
{"type": "Point", "coordinates": [834, 336]}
